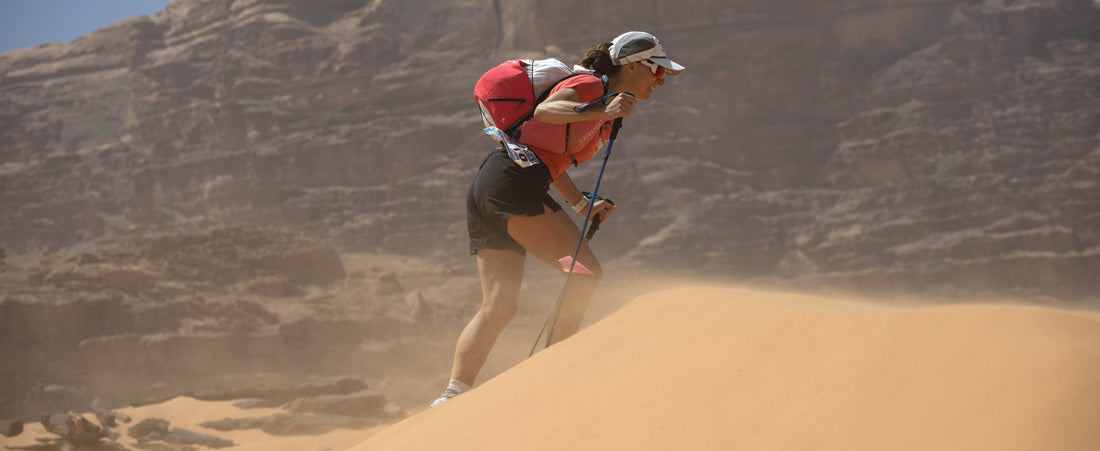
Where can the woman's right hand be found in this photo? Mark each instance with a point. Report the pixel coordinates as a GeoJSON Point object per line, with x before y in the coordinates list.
{"type": "Point", "coordinates": [603, 209]}
{"type": "Point", "coordinates": [620, 106]}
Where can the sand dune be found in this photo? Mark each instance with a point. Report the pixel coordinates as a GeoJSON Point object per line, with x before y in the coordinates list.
{"type": "Point", "coordinates": [730, 369]}
{"type": "Point", "coordinates": [707, 368]}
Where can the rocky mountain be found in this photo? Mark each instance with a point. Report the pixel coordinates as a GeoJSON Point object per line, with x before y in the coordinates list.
{"type": "Point", "coordinates": [867, 142]}
{"type": "Point", "coordinates": [916, 144]}
{"type": "Point", "coordinates": [151, 318]}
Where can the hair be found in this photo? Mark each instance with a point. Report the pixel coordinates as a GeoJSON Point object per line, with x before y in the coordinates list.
{"type": "Point", "coordinates": [599, 59]}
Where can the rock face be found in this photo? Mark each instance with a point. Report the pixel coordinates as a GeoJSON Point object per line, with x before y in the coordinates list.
{"type": "Point", "coordinates": [925, 145]}
{"type": "Point", "coordinates": [157, 429]}
{"type": "Point", "coordinates": [228, 313]}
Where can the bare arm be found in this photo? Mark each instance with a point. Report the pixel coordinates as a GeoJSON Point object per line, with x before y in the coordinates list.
{"type": "Point", "coordinates": [564, 185]}
{"type": "Point", "coordinates": [560, 108]}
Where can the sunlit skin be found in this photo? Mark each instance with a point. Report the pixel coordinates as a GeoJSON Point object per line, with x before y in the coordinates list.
{"type": "Point", "coordinates": [548, 236]}
{"type": "Point", "coordinates": [559, 108]}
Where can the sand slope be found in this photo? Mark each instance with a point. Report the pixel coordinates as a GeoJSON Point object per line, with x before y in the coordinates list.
{"type": "Point", "coordinates": [730, 369]}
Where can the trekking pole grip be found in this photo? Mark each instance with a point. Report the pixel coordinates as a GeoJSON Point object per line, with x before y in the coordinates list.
{"type": "Point", "coordinates": [618, 123]}
{"type": "Point", "coordinates": [615, 126]}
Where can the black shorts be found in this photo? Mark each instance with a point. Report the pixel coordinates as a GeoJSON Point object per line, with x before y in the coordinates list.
{"type": "Point", "coordinates": [502, 189]}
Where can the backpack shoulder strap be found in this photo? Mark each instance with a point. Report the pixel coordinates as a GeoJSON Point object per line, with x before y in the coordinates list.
{"type": "Point", "coordinates": [530, 114]}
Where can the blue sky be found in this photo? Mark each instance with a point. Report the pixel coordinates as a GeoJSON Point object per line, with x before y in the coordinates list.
{"type": "Point", "coordinates": [27, 23]}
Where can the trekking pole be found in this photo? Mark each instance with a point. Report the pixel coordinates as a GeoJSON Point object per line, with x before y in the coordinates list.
{"type": "Point", "coordinates": [555, 309]}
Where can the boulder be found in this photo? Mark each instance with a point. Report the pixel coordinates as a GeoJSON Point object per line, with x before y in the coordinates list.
{"type": "Point", "coordinates": [157, 429]}
{"type": "Point", "coordinates": [11, 428]}
{"type": "Point", "coordinates": [74, 429]}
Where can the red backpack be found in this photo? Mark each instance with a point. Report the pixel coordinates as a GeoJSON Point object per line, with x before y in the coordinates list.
{"type": "Point", "coordinates": [509, 92]}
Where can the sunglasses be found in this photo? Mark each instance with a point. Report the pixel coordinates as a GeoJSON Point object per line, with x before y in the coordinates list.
{"type": "Point", "coordinates": [658, 70]}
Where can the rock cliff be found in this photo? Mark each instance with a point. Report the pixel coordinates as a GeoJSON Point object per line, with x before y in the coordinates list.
{"type": "Point", "coordinates": [917, 144]}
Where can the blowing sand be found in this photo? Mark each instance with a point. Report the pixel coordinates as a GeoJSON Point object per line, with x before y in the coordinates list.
{"type": "Point", "coordinates": [709, 368]}
{"type": "Point", "coordinates": [731, 369]}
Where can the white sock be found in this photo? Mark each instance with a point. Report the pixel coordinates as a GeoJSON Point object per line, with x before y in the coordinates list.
{"type": "Point", "coordinates": [458, 386]}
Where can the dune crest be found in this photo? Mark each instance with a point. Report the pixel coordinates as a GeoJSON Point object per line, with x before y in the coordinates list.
{"type": "Point", "coordinates": [709, 368]}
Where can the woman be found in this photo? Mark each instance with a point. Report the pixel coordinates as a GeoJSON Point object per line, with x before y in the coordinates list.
{"type": "Point", "coordinates": [510, 211]}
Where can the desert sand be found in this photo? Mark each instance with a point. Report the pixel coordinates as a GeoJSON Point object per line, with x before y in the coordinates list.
{"type": "Point", "coordinates": [730, 369]}
{"type": "Point", "coordinates": [727, 368]}
{"type": "Point", "coordinates": [188, 413]}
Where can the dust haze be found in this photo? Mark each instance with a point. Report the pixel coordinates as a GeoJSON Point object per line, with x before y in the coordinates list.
{"type": "Point", "coordinates": [245, 218]}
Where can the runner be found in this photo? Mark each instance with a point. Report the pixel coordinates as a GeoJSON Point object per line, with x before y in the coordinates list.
{"type": "Point", "coordinates": [510, 211]}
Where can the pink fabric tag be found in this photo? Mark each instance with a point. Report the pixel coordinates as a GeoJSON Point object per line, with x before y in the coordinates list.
{"type": "Point", "coordinates": [578, 269]}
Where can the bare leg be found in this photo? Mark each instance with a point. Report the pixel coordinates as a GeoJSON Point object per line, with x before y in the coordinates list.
{"type": "Point", "coordinates": [501, 275]}
{"type": "Point", "coordinates": [549, 237]}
